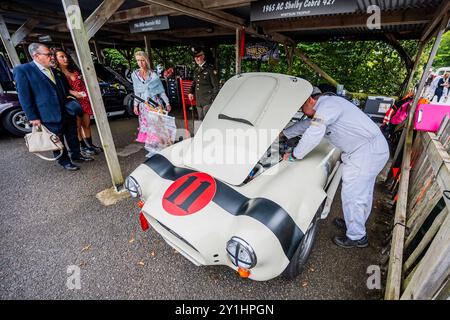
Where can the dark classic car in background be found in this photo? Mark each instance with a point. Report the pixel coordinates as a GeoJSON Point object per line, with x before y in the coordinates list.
{"type": "Point", "coordinates": [116, 92]}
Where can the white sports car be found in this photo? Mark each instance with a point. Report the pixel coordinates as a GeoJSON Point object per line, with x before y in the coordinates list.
{"type": "Point", "coordinates": [225, 197]}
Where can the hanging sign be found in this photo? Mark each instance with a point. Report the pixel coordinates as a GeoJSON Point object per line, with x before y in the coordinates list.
{"type": "Point", "coordinates": [150, 24]}
{"type": "Point", "coordinates": [270, 9]}
{"type": "Point", "coordinates": [261, 51]}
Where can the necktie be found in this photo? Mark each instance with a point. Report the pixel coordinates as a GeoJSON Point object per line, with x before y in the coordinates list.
{"type": "Point", "coordinates": [50, 75]}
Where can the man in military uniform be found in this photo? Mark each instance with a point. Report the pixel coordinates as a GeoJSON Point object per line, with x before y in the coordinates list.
{"type": "Point", "coordinates": [205, 85]}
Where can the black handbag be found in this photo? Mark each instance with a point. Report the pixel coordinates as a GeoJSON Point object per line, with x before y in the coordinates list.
{"type": "Point", "coordinates": [73, 108]}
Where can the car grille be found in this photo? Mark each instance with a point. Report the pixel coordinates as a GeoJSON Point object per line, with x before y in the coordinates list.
{"type": "Point", "coordinates": [177, 235]}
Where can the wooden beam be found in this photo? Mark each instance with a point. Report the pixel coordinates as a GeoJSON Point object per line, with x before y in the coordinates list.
{"type": "Point", "coordinates": [237, 51]}
{"type": "Point", "coordinates": [194, 12]}
{"type": "Point", "coordinates": [80, 41]}
{"type": "Point", "coordinates": [414, 68]}
{"type": "Point", "coordinates": [153, 36]}
{"type": "Point", "coordinates": [23, 31]}
{"type": "Point", "coordinates": [31, 12]}
{"type": "Point", "coordinates": [98, 18]}
{"type": "Point", "coordinates": [147, 11]}
{"type": "Point", "coordinates": [427, 238]}
{"type": "Point", "coordinates": [394, 18]}
{"type": "Point", "coordinates": [221, 14]}
{"type": "Point", "coordinates": [148, 49]}
{"type": "Point", "coordinates": [98, 52]}
{"type": "Point", "coordinates": [7, 43]}
{"type": "Point", "coordinates": [394, 276]}
{"type": "Point", "coordinates": [434, 268]}
{"type": "Point", "coordinates": [225, 4]}
{"type": "Point", "coordinates": [315, 67]}
{"type": "Point", "coordinates": [440, 14]}
{"type": "Point", "coordinates": [153, 10]}
{"type": "Point", "coordinates": [394, 43]}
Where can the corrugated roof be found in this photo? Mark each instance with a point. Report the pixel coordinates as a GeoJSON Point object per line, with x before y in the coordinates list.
{"type": "Point", "coordinates": [407, 31]}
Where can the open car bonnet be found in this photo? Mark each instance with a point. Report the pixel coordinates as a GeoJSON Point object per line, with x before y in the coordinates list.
{"type": "Point", "coordinates": [244, 120]}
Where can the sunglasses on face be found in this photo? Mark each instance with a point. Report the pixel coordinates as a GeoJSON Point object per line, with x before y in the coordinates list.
{"type": "Point", "coordinates": [45, 54]}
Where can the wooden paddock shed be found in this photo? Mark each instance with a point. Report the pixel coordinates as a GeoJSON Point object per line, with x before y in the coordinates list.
{"type": "Point", "coordinates": [97, 24]}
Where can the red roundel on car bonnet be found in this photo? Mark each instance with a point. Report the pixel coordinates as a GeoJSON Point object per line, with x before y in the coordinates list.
{"type": "Point", "coordinates": [189, 194]}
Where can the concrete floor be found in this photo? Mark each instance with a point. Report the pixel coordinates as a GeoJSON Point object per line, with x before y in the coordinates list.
{"type": "Point", "coordinates": [50, 219]}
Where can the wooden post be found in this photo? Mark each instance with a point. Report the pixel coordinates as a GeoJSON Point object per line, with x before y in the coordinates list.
{"type": "Point", "coordinates": [238, 45]}
{"type": "Point", "coordinates": [148, 49]}
{"type": "Point", "coordinates": [8, 44]}
{"type": "Point", "coordinates": [98, 52]}
{"type": "Point", "coordinates": [315, 67]}
{"type": "Point", "coordinates": [416, 64]}
{"type": "Point", "coordinates": [433, 270]}
{"type": "Point", "coordinates": [216, 58]}
{"type": "Point", "coordinates": [25, 50]}
{"type": "Point", "coordinates": [98, 18]}
{"type": "Point", "coordinates": [290, 57]}
{"type": "Point", "coordinates": [394, 277]}
{"type": "Point", "coordinates": [23, 31]}
{"type": "Point", "coordinates": [80, 40]}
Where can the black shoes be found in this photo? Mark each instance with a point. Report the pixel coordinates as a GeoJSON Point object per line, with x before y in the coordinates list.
{"type": "Point", "coordinates": [91, 146]}
{"type": "Point", "coordinates": [344, 242]}
{"type": "Point", "coordinates": [71, 167]}
{"type": "Point", "coordinates": [82, 158]}
{"type": "Point", "coordinates": [340, 223]}
{"type": "Point", "coordinates": [86, 149]}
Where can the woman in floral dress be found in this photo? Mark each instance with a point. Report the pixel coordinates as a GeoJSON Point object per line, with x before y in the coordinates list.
{"type": "Point", "coordinates": [146, 84]}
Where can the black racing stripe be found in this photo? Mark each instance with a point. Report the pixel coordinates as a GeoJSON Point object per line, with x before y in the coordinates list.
{"type": "Point", "coordinates": [273, 216]}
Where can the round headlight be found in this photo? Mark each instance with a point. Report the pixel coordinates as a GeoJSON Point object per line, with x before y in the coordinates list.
{"type": "Point", "coordinates": [133, 187]}
{"type": "Point", "coordinates": [241, 253]}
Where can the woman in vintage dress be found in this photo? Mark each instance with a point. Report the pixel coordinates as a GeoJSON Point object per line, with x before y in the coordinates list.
{"type": "Point", "coordinates": [146, 84]}
{"type": "Point", "coordinates": [78, 90]}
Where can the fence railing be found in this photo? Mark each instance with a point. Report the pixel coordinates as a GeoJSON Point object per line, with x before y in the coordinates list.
{"type": "Point", "coordinates": [426, 253]}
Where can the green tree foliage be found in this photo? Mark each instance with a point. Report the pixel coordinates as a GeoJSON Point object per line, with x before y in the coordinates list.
{"type": "Point", "coordinates": [361, 66]}
{"type": "Point", "coordinates": [443, 54]}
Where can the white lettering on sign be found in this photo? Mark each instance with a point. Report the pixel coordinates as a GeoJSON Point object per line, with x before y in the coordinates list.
{"type": "Point", "coordinates": [146, 24]}
{"type": "Point", "coordinates": [295, 5]}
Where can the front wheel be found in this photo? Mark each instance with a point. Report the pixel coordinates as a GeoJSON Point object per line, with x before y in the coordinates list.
{"type": "Point", "coordinates": [15, 121]}
{"type": "Point", "coordinates": [129, 105]}
{"type": "Point", "coordinates": [304, 249]}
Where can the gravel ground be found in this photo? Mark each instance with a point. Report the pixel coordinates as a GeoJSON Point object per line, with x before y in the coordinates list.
{"type": "Point", "coordinates": [50, 220]}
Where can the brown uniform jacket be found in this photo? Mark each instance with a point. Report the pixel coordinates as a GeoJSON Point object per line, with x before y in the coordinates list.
{"type": "Point", "coordinates": [205, 85]}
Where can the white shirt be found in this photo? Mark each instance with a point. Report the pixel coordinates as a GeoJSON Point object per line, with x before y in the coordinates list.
{"type": "Point", "coordinates": [42, 68]}
{"type": "Point", "coordinates": [338, 120]}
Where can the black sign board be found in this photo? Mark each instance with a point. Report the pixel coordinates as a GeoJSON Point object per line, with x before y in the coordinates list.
{"type": "Point", "coordinates": [150, 24]}
{"type": "Point", "coordinates": [272, 9]}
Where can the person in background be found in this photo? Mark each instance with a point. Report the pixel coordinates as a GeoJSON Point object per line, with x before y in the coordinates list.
{"type": "Point", "coordinates": [43, 94]}
{"type": "Point", "coordinates": [442, 87]}
{"type": "Point", "coordinates": [205, 85]}
{"type": "Point", "coordinates": [146, 84]}
{"type": "Point", "coordinates": [364, 154]}
{"type": "Point", "coordinates": [78, 89]}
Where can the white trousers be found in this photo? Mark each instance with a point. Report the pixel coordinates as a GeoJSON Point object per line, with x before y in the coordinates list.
{"type": "Point", "coordinates": [360, 171]}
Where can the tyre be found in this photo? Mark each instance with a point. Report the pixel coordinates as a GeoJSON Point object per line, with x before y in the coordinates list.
{"type": "Point", "coordinates": [129, 105]}
{"type": "Point", "coordinates": [15, 122]}
{"type": "Point", "coordinates": [304, 249]}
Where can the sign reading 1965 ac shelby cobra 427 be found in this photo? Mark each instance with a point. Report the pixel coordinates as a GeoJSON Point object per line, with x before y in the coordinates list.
{"type": "Point", "coordinates": [225, 197]}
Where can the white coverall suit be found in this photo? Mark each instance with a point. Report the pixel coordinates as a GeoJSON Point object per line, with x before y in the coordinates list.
{"type": "Point", "coordinates": [364, 154]}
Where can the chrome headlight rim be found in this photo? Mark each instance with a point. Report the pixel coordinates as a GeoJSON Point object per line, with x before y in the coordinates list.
{"type": "Point", "coordinates": [133, 187]}
{"type": "Point", "coordinates": [234, 256]}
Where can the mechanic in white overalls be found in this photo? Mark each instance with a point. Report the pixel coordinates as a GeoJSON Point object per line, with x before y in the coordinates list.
{"type": "Point", "coordinates": [364, 154]}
